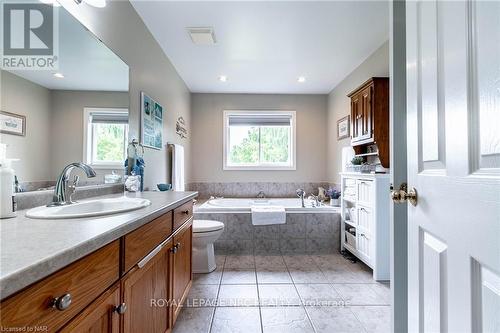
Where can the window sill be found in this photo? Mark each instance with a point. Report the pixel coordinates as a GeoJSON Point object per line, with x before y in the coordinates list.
{"type": "Point", "coordinates": [107, 167]}
{"type": "Point", "coordinates": [259, 168]}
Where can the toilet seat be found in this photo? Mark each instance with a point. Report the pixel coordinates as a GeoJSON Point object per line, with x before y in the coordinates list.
{"type": "Point", "coordinates": [201, 226]}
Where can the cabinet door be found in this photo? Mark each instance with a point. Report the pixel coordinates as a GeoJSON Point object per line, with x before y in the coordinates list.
{"type": "Point", "coordinates": [146, 293]}
{"type": "Point", "coordinates": [182, 270]}
{"type": "Point", "coordinates": [100, 316]}
{"type": "Point", "coordinates": [365, 123]}
{"type": "Point", "coordinates": [363, 246]}
{"type": "Point", "coordinates": [355, 117]}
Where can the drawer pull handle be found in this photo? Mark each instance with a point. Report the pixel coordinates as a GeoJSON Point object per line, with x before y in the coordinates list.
{"type": "Point", "coordinates": [62, 303]}
{"type": "Point", "coordinates": [186, 212]}
{"type": "Point", "coordinates": [151, 254]}
{"type": "Point", "coordinates": [120, 309]}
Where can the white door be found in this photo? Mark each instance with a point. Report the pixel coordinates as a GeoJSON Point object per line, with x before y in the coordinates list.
{"type": "Point", "coordinates": [453, 96]}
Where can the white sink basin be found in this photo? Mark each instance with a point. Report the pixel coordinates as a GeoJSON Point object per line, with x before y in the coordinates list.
{"type": "Point", "coordinates": [88, 208]}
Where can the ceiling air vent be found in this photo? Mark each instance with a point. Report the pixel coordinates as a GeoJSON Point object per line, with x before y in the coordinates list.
{"type": "Point", "coordinates": [202, 36]}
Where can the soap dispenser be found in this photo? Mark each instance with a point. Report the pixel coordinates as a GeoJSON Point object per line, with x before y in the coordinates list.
{"type": "Point", "coordinates": [7, 198]}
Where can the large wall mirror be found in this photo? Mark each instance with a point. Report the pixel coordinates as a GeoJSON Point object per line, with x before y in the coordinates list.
{"type": "Point", "coordinates": [77, 113]}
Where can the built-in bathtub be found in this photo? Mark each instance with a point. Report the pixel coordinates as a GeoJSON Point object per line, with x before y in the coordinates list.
{"type": "Point", "coordinates": [308, 230]}
{"type": "Point", "coordinates": [225, 205]}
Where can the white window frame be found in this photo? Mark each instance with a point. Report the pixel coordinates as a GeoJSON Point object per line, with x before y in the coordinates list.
{"type": "Point", "coordinates": [292, 148]}
{"type": "Point", "coordinates": [87, 138]}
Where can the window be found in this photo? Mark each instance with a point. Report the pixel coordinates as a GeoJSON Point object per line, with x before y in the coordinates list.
{"type": "Point", "coordinates": [106, 137]}
{"type": "Point", "coordinates": [259, 140]}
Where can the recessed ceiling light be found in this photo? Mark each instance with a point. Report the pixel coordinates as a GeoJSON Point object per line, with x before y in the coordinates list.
{"type": "Point", "coordinates": [96, 3]}
{"type": "Point", "coordinates": [58, 75]}
{"type": "Point", "coordinates": [222, 78]}
{"type": "Point", "coordinates": [51, 2]}
{"type": "Point", "coordinates": [93, 3]}
{"type": "Point", "coordinates": [301, 79]}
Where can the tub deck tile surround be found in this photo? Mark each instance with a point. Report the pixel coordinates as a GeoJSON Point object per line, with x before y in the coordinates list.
{"type": "Point", "coordinates": [275, 303]}
{"type": "Point", "coordinates": [303, 233]}
{"type": "Point", "coordinates": [251, 189]}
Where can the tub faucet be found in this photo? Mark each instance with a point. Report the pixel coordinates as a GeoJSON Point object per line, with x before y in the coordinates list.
{"type": "Point", "coordinates": [63, 191]}
{"type": "Point", "coordinates": [316, 198]}
{"type": "Point", "coordinates": [301, 193]}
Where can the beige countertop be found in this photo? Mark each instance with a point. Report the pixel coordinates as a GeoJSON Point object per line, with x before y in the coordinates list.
{"type": "Point", "coordinates": [32, 249]}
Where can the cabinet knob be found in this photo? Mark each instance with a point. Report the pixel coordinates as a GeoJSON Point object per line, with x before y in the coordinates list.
{"type": "Point", "coordinates": [174, 249]}
{"type": "Point", "coordinates": [120, 309]}
{"type": "Point", "coordinates": [62, 303]}
{"type": "Point", "coordinates": [185, 212]}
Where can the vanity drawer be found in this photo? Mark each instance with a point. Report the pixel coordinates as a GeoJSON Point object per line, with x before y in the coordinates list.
{"type": "Point", "coordinates": [143, 240]}
{"type": "Point", "coordinates": [84, 280]}
{"type": "Point", "coordinates": [183, 213]}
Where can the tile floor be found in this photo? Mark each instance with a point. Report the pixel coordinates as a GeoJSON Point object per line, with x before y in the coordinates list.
{"type": "Point", "coordinates": [289, 293]}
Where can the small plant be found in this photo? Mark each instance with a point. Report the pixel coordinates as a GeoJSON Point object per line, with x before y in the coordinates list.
{"type": "Point", "coordinates": [357, 160]}
{"type": "Point", "coordinates": [333, 193]}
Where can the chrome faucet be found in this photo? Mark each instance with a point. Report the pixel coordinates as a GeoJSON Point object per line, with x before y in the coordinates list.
{"type": "Point", "coordinates": [63, 191]}
{"type": "Point", "coordinates": [316, 198]}
{"type": "Point", "coordinates": [301, 193]}
{"type": "Point", "coordinates": [261, 195]}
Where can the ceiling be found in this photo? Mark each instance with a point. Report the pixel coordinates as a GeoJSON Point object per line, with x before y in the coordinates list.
{"type": "Point", "coordinates": [85, 62]}
{"type": "Point", "coordinates": [264, 46]}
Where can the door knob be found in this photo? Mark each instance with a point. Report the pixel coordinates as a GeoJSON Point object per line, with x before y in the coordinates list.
{"type": "Point", "coordinates": [402, 195]}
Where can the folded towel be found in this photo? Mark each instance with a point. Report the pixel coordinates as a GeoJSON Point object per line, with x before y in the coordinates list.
{"type": "Point", "coordinates": [265, 215]}
{"type": "Point", "coordinates": [178, 168]}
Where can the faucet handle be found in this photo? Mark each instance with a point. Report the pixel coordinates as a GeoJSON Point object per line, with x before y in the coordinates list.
{"type": "Point", "coordinates": [300, 192]}
{"type": "Point", "coordinates": [76, 179]}
{"type": "Point", "coordinates": [72, 188]}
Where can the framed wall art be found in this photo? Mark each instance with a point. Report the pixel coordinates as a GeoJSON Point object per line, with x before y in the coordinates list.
{"type": "Point", "coordinates": [11, 123]}
{"type": "Point", "coordinates": [151, 122]}
{"type": "Point", "coordinates": [343, 128]}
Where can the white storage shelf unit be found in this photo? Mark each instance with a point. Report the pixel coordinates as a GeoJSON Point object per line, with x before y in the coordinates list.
{"type": "Point", "coordinates": [365, 211]}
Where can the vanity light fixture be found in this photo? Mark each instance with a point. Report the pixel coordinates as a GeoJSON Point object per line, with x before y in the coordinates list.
{"type": "Point", "coordinates": [301, 79]}
{"type": "Point", "coordinates": [222, 78]}
{"type": "Point", "coordinates": [93, 3]}
{"type": "Point", "coordinates": [59, 75]}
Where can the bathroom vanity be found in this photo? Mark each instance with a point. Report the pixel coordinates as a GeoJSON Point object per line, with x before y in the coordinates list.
{"type": "Point", "coordinates": [126, 272]}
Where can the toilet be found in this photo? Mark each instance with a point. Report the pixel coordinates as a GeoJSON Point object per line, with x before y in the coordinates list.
{"type": "Point", "coordinates": [205, 233]}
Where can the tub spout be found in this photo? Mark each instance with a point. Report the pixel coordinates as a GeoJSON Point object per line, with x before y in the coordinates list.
{"type": "Point", "coordinates": [301, 193]}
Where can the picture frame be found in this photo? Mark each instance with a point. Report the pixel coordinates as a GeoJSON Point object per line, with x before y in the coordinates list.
{"type": "Point", "coordinates": [152, 114]}
{"type": "Point", "coordinates": [343, 128]}
{"type": "Point", "coordinates": [12, 123]}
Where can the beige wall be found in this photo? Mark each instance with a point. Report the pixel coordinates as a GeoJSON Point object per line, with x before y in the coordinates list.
{"type": "Point", "coordinates": [122, 30]}
{"type": "Point", "coordinates": [23, 97]}
{"type": "Point", "coordinates": [207, 134]}
{"type": "Point", "coordinates": [67, 124]}
{"type": "Point", "coordinates": [339, 105]}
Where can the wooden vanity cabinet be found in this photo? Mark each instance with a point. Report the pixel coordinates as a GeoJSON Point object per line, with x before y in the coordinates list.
{"type": "Point", "coordinates": [146, 292]}
{"type": "Point", "coordinates": [370, 117]}
{"type": "Point", "coordinates": [53, 301]}
{"type": "Point", "coordinates": [144, 295]}
{"type": "Point", "coordinates": [182, 266]}
{"type": "Point", "coordinates": [102, 315]}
